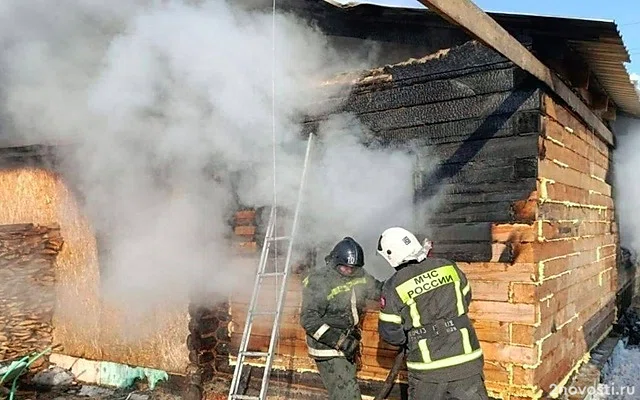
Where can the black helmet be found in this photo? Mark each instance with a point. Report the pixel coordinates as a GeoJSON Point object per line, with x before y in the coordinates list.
{"type": "Point", "coordinates": [346, 252]}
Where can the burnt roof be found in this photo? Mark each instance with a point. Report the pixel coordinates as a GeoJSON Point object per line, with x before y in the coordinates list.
{"type": "Point", "coordinates": [598, 42]}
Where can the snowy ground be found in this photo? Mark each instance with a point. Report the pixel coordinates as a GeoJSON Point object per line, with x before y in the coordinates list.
{"type": "Point", "coordinates": [621, 375]}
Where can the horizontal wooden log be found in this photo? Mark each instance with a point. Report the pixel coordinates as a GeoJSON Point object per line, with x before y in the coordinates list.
{"type": "Point", "coordinates": [433, 91]}
{"type": "Point", "coordinates": [464, 108]}
{"type": "Point", "coordinates": [562, 174]}
{"type": "Point", "coordinates": [566, 138]}
{"type": "Point", "coordinates": [567, 119]}
{"type": "Point", "coordinates": [492, 331]}
{"type": "Point", "coordinates": [245, 230]}
{"type": "Point", "coordinates": [503, 312]}
{"type": "Point", "coordinates": [470, 252]}
{"type": "Point", "coordinates": [490, 290]}
{"type": "Point", "coordinates": [557, 266]}
{"type": "Point", "coordinates": [521, 123]}
{"type": "Point", "coordinates": [553, 151]}
{"type": "Point", "coordinates": [510, 354]}
{"type": "Point", "coordinates": [520, 189]}
{"type": "Point", "coordinates": [502, 272]}
{"type": "Point", "coordinates": [520, 211]}
{"type": "Point", "coordinates": [509, 148]}
{"type": "Point", "coordinates": [574, 229]}
{"type": "Point", "coordinates": [560, 248]}
{"type": "Point", "coordinates": [458, 61]}
{"type": "Point", "coordinates": [452, 174]}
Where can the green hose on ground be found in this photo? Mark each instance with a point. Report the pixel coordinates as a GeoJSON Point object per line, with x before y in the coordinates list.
{"type": "Point", "coordinates": [17, 368]}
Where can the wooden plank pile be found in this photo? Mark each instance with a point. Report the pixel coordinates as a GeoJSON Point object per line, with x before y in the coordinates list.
{"type": "Point", "coordinates": [523, 205]}
{"type": "Point", "coordinates": [27, 292]}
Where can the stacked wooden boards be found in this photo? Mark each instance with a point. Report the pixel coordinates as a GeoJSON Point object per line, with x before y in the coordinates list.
{"type": "Point", "coordinates": [27, 291]}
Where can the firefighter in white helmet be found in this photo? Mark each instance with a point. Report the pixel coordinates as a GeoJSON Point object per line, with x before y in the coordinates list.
{"type": "Point", "coordinates": [424, 307]}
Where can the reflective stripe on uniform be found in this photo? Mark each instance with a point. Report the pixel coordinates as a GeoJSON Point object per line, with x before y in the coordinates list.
{"type": "Point", "coordinates": [446, 362]}
{"type": "Point", "coordinates": [424, 283]}
{"type": "Point", "coordinates": [415, 314]}
{"type": "Point", "coordinates": [346, 287]}
{"type": "Point", "coordinates": [325, 353]}
{"type": "Point", "coordinates": [466, 342]}
{"type": "Point", "coordinates": [459, 298]}
{"type": "Point", "coordinates": [424, 350]}
{"type": "Point", "coordinates": [305, 281]}
{"type": "Point", "coordinates": [354, 307]}
{"type": "Point", "coordinates": [321, 331]}
{"type": "Point", "coordinates": [393, 318]}
{"type": "Point", "coordinates": [466, 289]}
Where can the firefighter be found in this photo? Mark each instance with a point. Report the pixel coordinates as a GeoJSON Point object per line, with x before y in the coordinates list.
{"type": "Point", "coordinates": [423, 307]}
{"type": "Point", "coordinates": [334, 298]}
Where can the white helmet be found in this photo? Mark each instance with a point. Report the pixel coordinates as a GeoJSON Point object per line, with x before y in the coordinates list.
{"type": "Point", "coordinates": [398, 246]}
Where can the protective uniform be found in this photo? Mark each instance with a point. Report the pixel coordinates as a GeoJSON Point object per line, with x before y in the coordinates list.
{"type": "Point", "coordinates": [424, 307]}
{"type": "Point", "coordinates": [332, 307]}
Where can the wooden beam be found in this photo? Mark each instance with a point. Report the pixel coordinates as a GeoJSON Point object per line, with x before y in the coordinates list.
{"type": "Point", "coordinates": [611, 112]}
{"type": "Point", "coordinates": [476, 22]}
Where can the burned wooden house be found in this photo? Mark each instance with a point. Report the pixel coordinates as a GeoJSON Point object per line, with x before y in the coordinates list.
{"type": "Point", "coordinates": [528, 210]}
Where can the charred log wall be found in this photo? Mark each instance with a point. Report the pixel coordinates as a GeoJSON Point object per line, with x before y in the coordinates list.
{"type": "Point", "coordinates": [27, 293]}
{"type": "Point", "coordinates": [477, 117]}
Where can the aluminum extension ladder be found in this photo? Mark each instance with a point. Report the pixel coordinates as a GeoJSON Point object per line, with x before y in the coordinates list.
{"type": "Point", "coordinates": [269, 241]}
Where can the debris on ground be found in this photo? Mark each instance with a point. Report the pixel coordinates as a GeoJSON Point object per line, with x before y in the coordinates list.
{"type": "Point", "coordinates": [56, 383]}
{"type": "Point", "coordinates": [629, 326]}
{"type": "Point", "coordinates": [53, 377]}
{"type": "Point", "coordinates": [621, 374]}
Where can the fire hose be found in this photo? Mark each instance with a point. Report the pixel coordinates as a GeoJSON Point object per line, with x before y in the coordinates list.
{"type": "Point", "coordinates": [393, 373]}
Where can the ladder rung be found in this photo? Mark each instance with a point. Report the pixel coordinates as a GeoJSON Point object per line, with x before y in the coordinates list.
{"type": "Point", "coordinates": [254, 353]}
{"type": "Point", "coordinates": [278, 238]}
{"type": "Point", "coordinates": [270, 274]}
{"type": "Point", "coordinates": [244, 397]}
{"type": "Point", "coordinates": [264, 312]}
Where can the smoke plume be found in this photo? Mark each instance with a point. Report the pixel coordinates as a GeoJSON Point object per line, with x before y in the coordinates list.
{"type": "Point", "coordinates": [627, 192]}
{"type": "Point", "coordinates": [167, 116]}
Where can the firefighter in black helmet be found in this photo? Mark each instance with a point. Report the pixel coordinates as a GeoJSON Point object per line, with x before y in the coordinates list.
{"type": "Point", "coordinates": [424, 307]}
{"type": "Point", "coordinates": [333, 302]}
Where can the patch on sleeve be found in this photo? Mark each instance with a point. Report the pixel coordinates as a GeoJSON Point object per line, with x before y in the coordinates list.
{"type": "Point", "coordinates": [383, 302]}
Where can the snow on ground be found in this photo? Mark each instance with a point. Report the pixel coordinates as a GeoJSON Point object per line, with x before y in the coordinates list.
{"type": "Point", "coordinates": [621, 375]}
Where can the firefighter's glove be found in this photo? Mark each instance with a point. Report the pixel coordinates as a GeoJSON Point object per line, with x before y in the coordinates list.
{"type": "Point", "coordinates": [349, 345]}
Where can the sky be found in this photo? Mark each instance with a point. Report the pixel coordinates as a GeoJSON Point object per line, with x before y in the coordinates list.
{"type": "Point", "coordinates": [626, 13]}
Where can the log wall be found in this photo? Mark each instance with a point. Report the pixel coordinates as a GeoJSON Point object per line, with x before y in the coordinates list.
{"type": "Point", "coordinates": [27, 293]}
{"type": "Point", "coordinates": [577, 246]}
{"type": "Point", "coordinates": [522, 203]}
{"type": "Point", "coordinates": [480, 118]}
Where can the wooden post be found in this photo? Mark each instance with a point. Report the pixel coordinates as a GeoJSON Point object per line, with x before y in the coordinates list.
{"type": "Point", "coordinates": [477, 23]}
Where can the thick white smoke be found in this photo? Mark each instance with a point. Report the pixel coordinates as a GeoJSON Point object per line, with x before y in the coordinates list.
{"type": "Point", "coordinates": [627, 192]}
{"type": "Point", "coordinates": [169, 109]}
